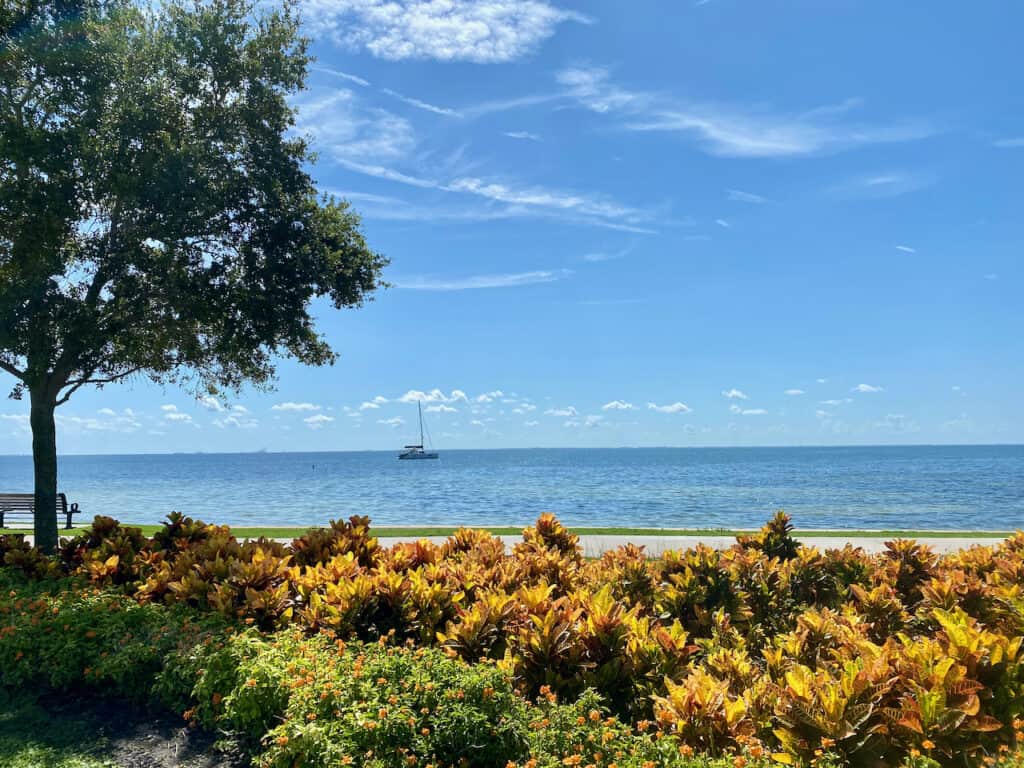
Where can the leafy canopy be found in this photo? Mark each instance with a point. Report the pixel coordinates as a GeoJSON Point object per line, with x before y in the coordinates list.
{"type": "Point", "coordinates": [156, 212]}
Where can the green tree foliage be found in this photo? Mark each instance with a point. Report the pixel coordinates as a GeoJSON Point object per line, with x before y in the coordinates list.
{"type": "Point", "coordinates": [156, 213]}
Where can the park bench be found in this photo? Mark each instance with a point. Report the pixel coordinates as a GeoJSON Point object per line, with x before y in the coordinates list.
{"type": "Point", "coordinates": [24, 504]}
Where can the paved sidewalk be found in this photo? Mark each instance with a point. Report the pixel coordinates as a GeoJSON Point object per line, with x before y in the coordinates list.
{"type": "Point", "coordinates": [595, 545]}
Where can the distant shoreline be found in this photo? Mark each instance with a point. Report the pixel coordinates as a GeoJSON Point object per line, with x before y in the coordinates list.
{"type": "Point", "coordinates": [836, 446]}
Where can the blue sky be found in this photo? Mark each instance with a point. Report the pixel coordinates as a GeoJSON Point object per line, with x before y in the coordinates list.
{"type": "Point", "coordinates": [721, 222]}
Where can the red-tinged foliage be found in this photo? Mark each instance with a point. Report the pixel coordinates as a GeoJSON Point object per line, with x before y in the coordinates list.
{"type": "Point", "coordinates": [770, 645]}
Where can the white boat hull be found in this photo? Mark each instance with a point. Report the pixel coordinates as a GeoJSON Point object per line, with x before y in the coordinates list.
{"type": "Point", "coordinates": [415, 451]}
{"type": "Point", "coordinates": [412, 456]}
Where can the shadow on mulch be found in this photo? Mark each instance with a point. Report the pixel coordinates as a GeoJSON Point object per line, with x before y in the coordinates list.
{"type": "Point", "coordinates": [113, 732]}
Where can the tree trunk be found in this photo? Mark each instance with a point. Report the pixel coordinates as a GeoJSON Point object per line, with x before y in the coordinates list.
{"type": "Point", "coordinates": [44, 462]}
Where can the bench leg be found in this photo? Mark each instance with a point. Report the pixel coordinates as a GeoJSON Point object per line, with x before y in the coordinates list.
{"type": "Point", "coordinates": [69, 526]}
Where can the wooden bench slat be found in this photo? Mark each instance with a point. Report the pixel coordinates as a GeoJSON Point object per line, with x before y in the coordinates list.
{"type": "Point", "coordinates": [24, 504]}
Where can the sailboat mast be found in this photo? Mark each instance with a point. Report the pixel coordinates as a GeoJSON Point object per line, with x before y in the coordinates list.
{"type": "Point", "coordinates": [419, 409]}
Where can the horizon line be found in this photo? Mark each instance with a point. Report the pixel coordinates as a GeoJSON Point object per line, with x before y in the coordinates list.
{"type": "Point", "coordinates": [547, 448]}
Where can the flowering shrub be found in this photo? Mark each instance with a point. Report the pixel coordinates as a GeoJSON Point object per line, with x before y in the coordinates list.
{"type": "Point", "coordinates": [768, 648]}
{"type": "Point", "coordinates": [69, 636]}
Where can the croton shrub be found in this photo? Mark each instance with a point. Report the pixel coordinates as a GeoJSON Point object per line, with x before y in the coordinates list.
{"type": "Point", "coordinates": [766, 650]}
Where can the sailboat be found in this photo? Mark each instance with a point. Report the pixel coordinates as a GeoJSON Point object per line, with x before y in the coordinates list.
{"type": "Point", "coordinates": [416, 451]}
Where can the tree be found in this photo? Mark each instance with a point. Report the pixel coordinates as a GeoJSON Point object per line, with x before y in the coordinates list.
{"type": "Point", "coordinates": [156, 214]}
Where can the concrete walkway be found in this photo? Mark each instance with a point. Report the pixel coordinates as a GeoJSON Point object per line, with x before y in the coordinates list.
{"type": "Point", "coordinates": [655, 546]}
{"type": "Point", "coordinates": [594, 545]}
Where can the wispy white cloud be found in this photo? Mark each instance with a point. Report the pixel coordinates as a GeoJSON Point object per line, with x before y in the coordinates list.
{"type": "Point", "coordinates": [505, 105]}
{"type": "Point", "coordinates": [124, 422]}
{"type": "Point", "coordinates": [388, 174]}
{"type": "Point", "coordinates": [236, 420]}
{"type": "Point", "coordinates": [368, 405]}
{"type": "Point", "coordinates": [617, 405]}
{"type": "Point", "coordinates": [489, 397]}
{"type": "Point", "coordinates": [837, 401]}
{"type": "Point", "coordinates": [731, 132]}
{"type": "Point", "coordinates": [319, 421]}
{"type": "Point", "coordinates": [867, 388]}
{"type": "Point", "coordinates": [518, 201]}
{"type": "Point", "coordinates": [482, 31]}
{"type": "Point", "coordinates": [794, 392]}
{"type": "Point", "coordinates": [295, 407]}
{"type": "Point", "coordinates": [350, 131]}
{"type": "Point", "coordinates": [734, 131]}
{"type": "Point", "coordinates": [483, 281]}
{"type": "Point", "coordinates": [739, 196]}
{"type": "Point", "coordinates": [392, 422]}
{"type": "Point", "coordinates": [343, 75]}
{"type": "Point", "coordinates": [570, 411]}
{"type": "Point", "coordinates": [882, 185]}
{"type": "Point", "coordinates": [425, 106]}
{"type": "Point", "coordinates": [587, 422]}
{"type": "Point", "coordinates": [722, 223]}
{"type": "Point", "coordinates": [596, 257]}
{"type": "Point", "coordinates": [592, 87]}
{"type": "Point", "coordinates": [906, 249]}
{"type": "Point", "coordinates": [211, 403]}
{"type": "Point", "coordinates": [991, 276]}
{"type": "Point", "coordinates": [734, 394]}
{"type": "Point", "coordinates": [544, 198]}
{"type": "Point", "coordinates": [171, 414]}
{"type": "Point", "coordinates": [441, 408]}
{"type": "Point", "coordinates": [737, 410]}
{"type": "Point", "coordinates": [523, 135]}
{"type": "Point", "coordinates": [433, 396]}
{"type": "Point", "coordinates": [676, 407]}
{"type": "Point", "coordinates": [371, 141]}
{"type": "Point", "coordinates": [1014, 142]}
{"type": "Point", "coordinates": [20, 420]}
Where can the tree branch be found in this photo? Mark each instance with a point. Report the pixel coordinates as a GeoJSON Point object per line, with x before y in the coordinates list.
{"type": "Point", "coordinates": [12, 370]}
{"type": "Point", "coordinates": [76, 384]}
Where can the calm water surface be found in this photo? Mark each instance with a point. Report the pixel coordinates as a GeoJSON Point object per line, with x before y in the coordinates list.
{"type": "Point", "coordinates": [977, 487]}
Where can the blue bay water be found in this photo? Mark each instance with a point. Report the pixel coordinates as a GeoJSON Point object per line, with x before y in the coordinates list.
{"type": "Point", "coordinates": [967, 487]}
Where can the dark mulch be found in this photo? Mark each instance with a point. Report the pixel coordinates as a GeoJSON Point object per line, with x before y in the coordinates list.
{"type": "Point", "coordinates": [134, 738]}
